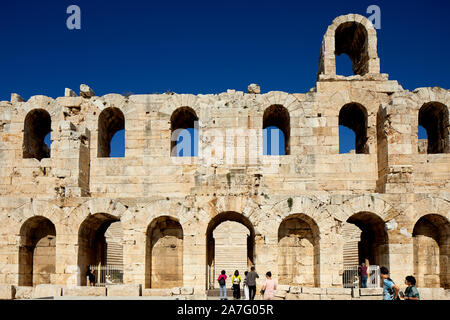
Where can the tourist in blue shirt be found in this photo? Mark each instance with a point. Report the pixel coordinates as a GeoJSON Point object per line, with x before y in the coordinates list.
{"type": "Point", "coordinates": [390, 290]}
{"type": "Point", "coordinates": [411, 293]}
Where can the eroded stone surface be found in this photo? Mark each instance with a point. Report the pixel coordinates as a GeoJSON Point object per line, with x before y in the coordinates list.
{"type": "Point", "coordinates": [56, 202]}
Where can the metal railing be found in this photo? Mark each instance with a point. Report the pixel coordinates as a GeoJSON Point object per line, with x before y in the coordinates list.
{"type": "Point", "coordinates": [373, 279]}
{"type": "Point", "coordinates": [352, 279]}
{"type": "Point", "coordinates": [107, 274]}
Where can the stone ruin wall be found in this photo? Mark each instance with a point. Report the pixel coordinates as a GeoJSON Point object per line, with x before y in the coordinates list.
{"type": "Point", "coordinates": [293, 205]}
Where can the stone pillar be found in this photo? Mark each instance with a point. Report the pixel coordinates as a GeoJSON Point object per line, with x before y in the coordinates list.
{"type": "Point", "coordinates": [401, 254]}
{"type": "Point", "coordinates": [265, 256]}
{"type": "Point", "coordinates": [71, 160]}
{"type": "Point", "coordinates": [395, 172]}
{"type": "Point", "coordinates": [194, 258]}
{"type": "Point", "coordinates": [134, 255]}
{"type": "Point", "coordinates": [331, 260]}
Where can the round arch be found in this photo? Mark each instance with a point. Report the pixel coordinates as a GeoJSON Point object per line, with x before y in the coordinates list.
{"type": "Point", "coordinates": [298, 251]}
{"type": "Point", "coordinates": [337, 40]}
{"type": "Point", "coordinates": [37, 251]}
{"type": "Point", "coordinates": [164, 253]}
{"type": "Point", "coordinates": [431, 241]}
{"type": "Point", "coordinates": [210, 242]}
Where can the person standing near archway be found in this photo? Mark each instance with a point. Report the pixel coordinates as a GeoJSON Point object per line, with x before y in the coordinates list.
{"type": "Point", "coordinates": [247, 296]}
{"type": "Point", "coordinates": [251, 282]}
{"type": "Point", "coordinates": [236, 281]}
{"type": "Point", "coordinates": [223, 285]}
{"type": "Point", "coordinates": [269, 287]}
{"type": "Point", "coordinates": [363, 273]}
{"type": "Point", "coordinates": [90, 277]}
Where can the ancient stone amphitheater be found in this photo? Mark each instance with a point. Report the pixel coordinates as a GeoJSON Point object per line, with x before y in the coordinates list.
{"type": "Point", "coordinates": [170, 223]}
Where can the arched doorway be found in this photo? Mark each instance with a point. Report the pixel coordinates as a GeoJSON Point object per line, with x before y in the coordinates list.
{"type": "Point", "coordinates": [100, 243]}
{"type": "Point", "coordinates": [431, 239]}
{"type": "Point", "coordinates": [164, 254]}
{"type": "Point", "coordinates": [230, 241]}
{"type": "Point", "coordinates": [37, 251]}
{"type": "Point", "coordinates": [373, 239]}
{"type": "Point", "coordinates": [298, 251]}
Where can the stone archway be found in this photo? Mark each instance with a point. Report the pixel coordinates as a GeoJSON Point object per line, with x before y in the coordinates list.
{"type": "Point", "coordinates": [93, 245]}
{"type": "Point", "coordinates": [164, 253]}
{"type": "Point", "coordinates": [230, 242]}
{"type": "Point", "coordinates": [373, 244]}
{"type": "Point", "coordinates": [431, 240]}
{"type": "Point", "coordinates": [37, 251]}
{"type": "Point", "coordinates": [298, 251]}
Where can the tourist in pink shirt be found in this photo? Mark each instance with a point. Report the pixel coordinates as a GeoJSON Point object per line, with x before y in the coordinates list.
{"type": "Point", "coordinates": [269, 287]}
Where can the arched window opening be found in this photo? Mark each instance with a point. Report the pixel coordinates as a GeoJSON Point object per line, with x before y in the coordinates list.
{"type": "Point", "coordinates": [298, 251]}
{"type": "Point", "coordinates": [276, 131]}
{"type": "Point", "coordinates": [184, 133]}
{"type": "Point", "coordinates": [37, 128]}
{"type": "Point", "coordinates": [351, 39]}
{"type": "Point", "coordinates": [164, 254]}
{"type": "Point", "coordinates": [100, 243]}
{"type": "Point", "coordinates": [344, 65]}
{"type": "Point", "coordinates": [37, 252]}
{"type": "Point", "coordinates": [111, 124]}
{"type": "Point", "coordinates": [273, 139]}
{"type": "Point", "coordinates": [433, 117]}
{"type": "Point", "coordinates": [354, 117]}
{"type": "Point", "coordinates": [431, 239]}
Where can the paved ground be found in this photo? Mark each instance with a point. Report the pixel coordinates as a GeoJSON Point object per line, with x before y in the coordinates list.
{"type": "Point", "coordinates": [128, 298]}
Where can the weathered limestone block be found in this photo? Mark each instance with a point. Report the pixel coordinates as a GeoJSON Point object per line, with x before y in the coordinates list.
{"type": "Point", "coordinates": [70, 102]}
{"type": "Point", "coordinates": [84, 291]}
{"type": "Point", "coordinates": [291, 296]}
{"type": "Point", "coordinates": [339, 291]}
{"type": "Point", "coordinates": [86, 91]}
{"type": "Point", "coordinates": [187, 290]}
{"type": "Point", "coordinates": [302, 296]}
{"type": "Point", "coordinates": [336, 297]}
{"type": "Point", "coordinates": [254, 88]}
{"type": "Point", "coordinates": [283, 287]}
{"type": "Point", "coordinates": [69, 93]}
{"type": "Point", "coordinates": [433, 293]}
{"type": "Point", "coordinates": [370, 291]}
{"type": "Point", "coordinates": [23, 292]}
{"type": "Point", "coordinates": [7, 292]}
{"type": "Point", "coordinates": [175, 291]}
{"type": "Point", "coordinates": [156, 292]}
{"type": "Point", "coordinates": [295, 289]}
{"type": "Point", "coordinates": [123, 290]}
{"type": "Point", "coordinates": [308, 290]}
{"type": "Point", "coordinates": [378, 297]}
{"type": "Point", "coordinates": [196, 297]}
{"type": "Point", "coordinates": [46, 291]}
{"type": "Point", "coordinates": [16, 98]}
{"type": "Point", "coordinates": [280, 294]}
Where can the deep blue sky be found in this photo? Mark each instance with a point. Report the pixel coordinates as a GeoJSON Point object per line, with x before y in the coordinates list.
{"type": "Point", "coordinates": [205, 46]}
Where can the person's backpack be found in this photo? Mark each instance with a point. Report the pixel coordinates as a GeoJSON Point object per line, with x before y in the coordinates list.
{"type": "Point", "coordinates": [221, 281]}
